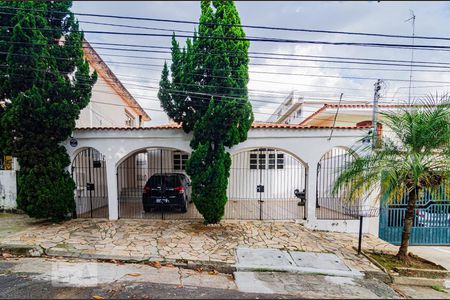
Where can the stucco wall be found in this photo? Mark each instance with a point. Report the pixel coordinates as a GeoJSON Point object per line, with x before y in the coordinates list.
{"type": "Point", "coordinates": [106, 108]}
{"type": "Point", "coordinates": [308, 145]}
{"type": "Point", "coordinates": [8, 190]}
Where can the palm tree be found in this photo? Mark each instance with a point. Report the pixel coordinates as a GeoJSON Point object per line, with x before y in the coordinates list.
{"type": "Point", "coordinates": [413, 156]}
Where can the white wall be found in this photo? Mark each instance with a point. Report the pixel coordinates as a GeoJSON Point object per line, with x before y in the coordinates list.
{"type": "Point", "coordinates": [308, 145]}
{"type": "Point", "coordinates": [105, 109]}
{"type": "Point", "coordinates": [8, 190]}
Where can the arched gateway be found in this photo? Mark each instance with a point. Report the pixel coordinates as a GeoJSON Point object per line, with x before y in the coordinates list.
{"type": "Point", "coordinates": [268, 178]}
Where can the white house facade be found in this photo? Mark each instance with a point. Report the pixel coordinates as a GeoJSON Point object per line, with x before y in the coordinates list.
{"type": "Point", "coordinates": [111, 104]}
{"type": "Point", "coordinates": [267, 168]}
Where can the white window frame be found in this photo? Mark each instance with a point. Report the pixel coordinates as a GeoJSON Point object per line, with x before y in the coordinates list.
{"type": "Point", "coordinates": [266, 159]}
{"type": "Point", "coordinates": [179, 160]}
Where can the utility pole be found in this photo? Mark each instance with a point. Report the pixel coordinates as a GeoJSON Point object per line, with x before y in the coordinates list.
{"type": "Point", "coordinates": [376, 97]}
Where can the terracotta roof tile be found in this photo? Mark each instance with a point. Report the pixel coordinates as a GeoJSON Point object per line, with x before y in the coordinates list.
{"type": "Point", "coordinates": [327, 105]}
{"type": "Point", "coordinates": [254, 126]}
{"type": "Point", "coordinates": [367, 105]}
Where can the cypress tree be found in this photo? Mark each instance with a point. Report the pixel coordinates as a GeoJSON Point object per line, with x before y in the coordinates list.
{"type": "Point", "coordinates": [208, 95]}
{"type": "Point", "coordinates": [44, 85]}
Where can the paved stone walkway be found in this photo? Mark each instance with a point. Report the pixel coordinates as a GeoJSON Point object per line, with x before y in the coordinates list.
{"type": "Point", "coordinates": [187, 240]}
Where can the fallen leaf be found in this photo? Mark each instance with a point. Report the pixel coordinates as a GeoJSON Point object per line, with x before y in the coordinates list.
{"type": "Point", "coordinates": [179, 286]}
{"type": "Point", "coordinates": [134, 274]}
{"type": "Point", "coordinates": [7, 255]}
{"type": "Point", "coordinates": [213, 272]}
{"type": "Point", "coordinates": [199, 270]}
{"type": "Point", "coordinates": [157, 264]}
{"type": "Point", "coordinates": [98, 297]}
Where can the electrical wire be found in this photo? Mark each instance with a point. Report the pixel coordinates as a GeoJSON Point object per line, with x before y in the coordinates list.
{"type": "Point", "coordinates": [238, 25]}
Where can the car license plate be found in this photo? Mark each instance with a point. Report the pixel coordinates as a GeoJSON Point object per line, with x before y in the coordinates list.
{"type": "Point", "coordinates": [162, 200]}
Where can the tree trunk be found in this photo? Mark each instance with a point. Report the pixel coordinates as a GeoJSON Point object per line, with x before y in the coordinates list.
{"type": "Point", "coordinates": [409, 217]}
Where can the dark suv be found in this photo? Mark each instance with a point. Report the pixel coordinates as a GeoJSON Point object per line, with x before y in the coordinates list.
{"type": "Point", "coordinates": [169, 190]}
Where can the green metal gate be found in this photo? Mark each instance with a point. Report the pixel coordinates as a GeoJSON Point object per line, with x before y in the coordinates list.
{"type": "Point", "coordinates": [431, 224]}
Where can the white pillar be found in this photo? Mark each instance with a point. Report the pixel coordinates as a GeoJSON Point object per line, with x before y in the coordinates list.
{"type": "Point", "coordinates": [111, 177]}
{"type": "Point", "coordinates": [311, 193]}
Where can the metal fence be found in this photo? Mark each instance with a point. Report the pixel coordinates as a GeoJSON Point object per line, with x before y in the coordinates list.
{"type": "Point", "coordinates": [431, 223]}
{"type": "Point", "coordinates": [261, 186]}
{"type": "Point", "coordinates": [91, 192]}
{"type": "Point", "coordinates": [331, 206]}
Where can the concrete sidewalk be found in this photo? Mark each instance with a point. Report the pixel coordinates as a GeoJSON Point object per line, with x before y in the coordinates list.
{"type": "Point", "coordinates": [74, 278]}
{"type": "Point", "coordinates": [438, 254]}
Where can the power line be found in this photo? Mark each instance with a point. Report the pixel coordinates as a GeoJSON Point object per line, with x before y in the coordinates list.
{"type": "Point", "coordinates": [290, 66]}
{"type": "Point", "coordinates": [262, 53]}
{"type": "Point", "coordinates": [264, 72]}
{"type": "Point", "coordinates": [334, 59]}
{"type": "Point", "coordinates": [240, 25]}
{"type": "Point", "coordinates": [272, 40]}
{"type": "Point", "coordinates": [178, 92]}
{"type": "Point", "coordinates": [302, 74]}
{"type": "Point", "coordinates": [263, 39]}
{"type": "Point", "coordinates": [183, 92]}
{"type": "Point", "coordinates": [161, 110]}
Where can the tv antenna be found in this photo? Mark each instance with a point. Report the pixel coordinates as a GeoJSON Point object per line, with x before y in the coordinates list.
{"type": "Point", "coordinates": [413, 20]}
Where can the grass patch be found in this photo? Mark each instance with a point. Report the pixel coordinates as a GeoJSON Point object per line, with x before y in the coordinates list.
{"type": "Point", "coordinates": [6, 215]}
{"type": "Point", "coordinates": [392, 263]}
{"type": "Point", "coordinates": [438, 288]}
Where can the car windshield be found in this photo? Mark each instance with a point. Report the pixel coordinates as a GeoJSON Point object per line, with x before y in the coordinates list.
{"type": "Point", "coordinates": [169, 181]}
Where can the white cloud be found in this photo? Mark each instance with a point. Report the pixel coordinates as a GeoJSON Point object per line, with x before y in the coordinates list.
{"type": "Point", "coordinates": [378, 17]}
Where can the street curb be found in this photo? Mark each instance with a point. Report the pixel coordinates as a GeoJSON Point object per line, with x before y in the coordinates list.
{"type": "Point", "coordinates": [408, 280]}
{"type": "Point", "coordinates": [301, 270]}
{"type": "Point", "coordinates": [22, 250]}
{"type": "Point", "coordinates": [38, 251]}
{"type": "Point", "coordinates": [420, 281]}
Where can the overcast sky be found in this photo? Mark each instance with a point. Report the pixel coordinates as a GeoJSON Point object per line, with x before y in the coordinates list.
{"type": "Point", "coordinates": [268, 90]}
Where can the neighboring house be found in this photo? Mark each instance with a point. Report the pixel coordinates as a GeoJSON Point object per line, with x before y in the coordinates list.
{"type": "Point", "coordinates": [432, 212]}
{"type": "Point", "coordinates": [111, 104]}
{"type": "Point", "coordinates": [329, 114]}
{"type": "Point", "coordinates": [296, 109]}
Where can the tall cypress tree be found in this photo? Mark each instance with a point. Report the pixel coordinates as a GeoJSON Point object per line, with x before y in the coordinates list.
{"type": "Point", "coordinates": [44, 85]}
{"type": "Point", "coordinates": [208, 95]}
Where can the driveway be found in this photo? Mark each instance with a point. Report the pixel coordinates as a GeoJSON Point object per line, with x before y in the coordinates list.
{"type": "Point", "coordinates": [11, 224]}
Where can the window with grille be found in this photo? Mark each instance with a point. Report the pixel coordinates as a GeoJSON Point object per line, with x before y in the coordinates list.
{"type": "Point", "coordinates": [179, 160]}
{"type": "Point", "coordinates": [266, 159]}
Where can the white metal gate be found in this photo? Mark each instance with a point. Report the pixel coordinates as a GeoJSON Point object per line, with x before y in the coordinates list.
{"type": "Point", "coordinates": [266, 184]}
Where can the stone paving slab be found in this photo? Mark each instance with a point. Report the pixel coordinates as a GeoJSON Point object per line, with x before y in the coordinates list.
{"type": "Point", "coordinates": [262, 257]}
{"type": "Point", "coordinates": [187, 240]}
{"type": "Point", "coordinates": [275, 260]}
{"type": "Point", "coordinates": [328, 261]}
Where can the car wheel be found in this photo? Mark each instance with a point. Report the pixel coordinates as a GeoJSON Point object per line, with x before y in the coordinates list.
{"type": "Point", "coordinates": [184, 207]}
